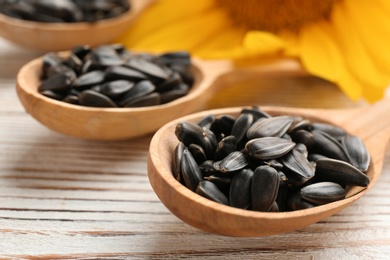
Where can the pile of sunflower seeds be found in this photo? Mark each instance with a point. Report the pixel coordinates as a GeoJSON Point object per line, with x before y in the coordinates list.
{"type": "Point", "coordinates": [268, 163]}
{"type": "Point", "coordinates": [64, 11]}
{"type": "Point", "coordinates": [111, 76]}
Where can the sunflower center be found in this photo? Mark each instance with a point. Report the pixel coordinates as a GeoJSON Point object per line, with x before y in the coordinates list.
{"type": "Point", "coordinates": [277, 15]}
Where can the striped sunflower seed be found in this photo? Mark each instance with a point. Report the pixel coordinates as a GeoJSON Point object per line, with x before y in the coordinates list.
{"type": "Point", "coordinates": [190, 170]}
{"type": "Point", "coordinates": [241, 126]}
{"type": "Point", "coordinates": [264, 189]}
{"type": "Point", "coordinates": [340, 172]}
{"type": "Point", "coordinates": [299, 166]}
{"type": "Point", "coordinates": [273, 126]}
{"type": "Point", "coordinates": [326, 145]}
{"type": "Point", "coordinates": [177, 159]}
{"type": "Point", "coordinates": [233, 162]}
{"type": "Point", "coordinates": [210, 191]}
{"type": "Point", "coordinates": [323, 192]}
{"type": "Point", "coordinates": [226, 146]}
{"type": "Point", "coordinates": [357, 152]}
{"type": "Point", "coordinates": [240, 189]}
{"type": "Point", "coordinates": [267, 148]}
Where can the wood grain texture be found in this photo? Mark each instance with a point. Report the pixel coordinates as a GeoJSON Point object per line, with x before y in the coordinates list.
{"type": "Point", "coordinates": [67, 198]}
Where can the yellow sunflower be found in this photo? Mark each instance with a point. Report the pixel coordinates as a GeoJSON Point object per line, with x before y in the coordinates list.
{"type": "Point", "coordinates": [343, 41]}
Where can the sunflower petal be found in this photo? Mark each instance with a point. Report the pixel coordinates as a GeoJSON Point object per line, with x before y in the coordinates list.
{"type": "Point", "coordinates": [362, 66]}
{"type": "Point", "coordinates": [162, 14]}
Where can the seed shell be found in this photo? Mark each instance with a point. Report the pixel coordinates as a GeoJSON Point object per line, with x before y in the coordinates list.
{"type": "Point", "coordinates": [210, 191]}
{"type": "Point", "coordinates": [340, 172]}
{"type": "Point", "coordinates": [267, 148]}
{"type": "Point", "coordinates": [190, 171]}
{"type": "Point", "coordinates": [233, 162]}
{"type": "Point", "coordinates": [273, 126]}
{"type": "Point", "coordinates": [265, 185]}
{"type": "Point", "coordinates": [357, 152]}
{"type": "Point", "coordinates": [240, 189]}
{"type": "Point", "coordinates": [323, 192]}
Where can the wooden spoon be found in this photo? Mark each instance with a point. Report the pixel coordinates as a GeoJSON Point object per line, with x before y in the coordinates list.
{"type": "Point", "coordinates": [370, 123]}
{"type": "Point", "coordinates": [64, 36]}
{"type": "Point", "coordinates": [122, 123]}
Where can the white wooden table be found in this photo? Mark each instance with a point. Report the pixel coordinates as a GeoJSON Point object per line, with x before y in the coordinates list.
{"type": "Point", "coordinates": [66, 198]}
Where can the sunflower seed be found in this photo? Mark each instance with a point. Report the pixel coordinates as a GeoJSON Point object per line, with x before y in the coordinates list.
{"type": "Point", "coordinates": [233, 162]}
{"type": "Point", "coordinates": [106, 56]}
{"type": "Point", "coordinates": [226, 146]}
{"type": "Point", "coordinates": [222, 125]}
{"type": "Point", "coordinates": [206, 121]}
{"type": "Point", "coordinates": [299, 124]}
{"type": "Point", "coordinates": [267, 148]}
{"type": "Point", "coordinates": [189, 133]}
{"type": "Point", "coordinates": [207, 168]}
{"type": "Point", "coordinates": [197, 152]}
{"type": "Point", "coordinates": [173, 81]}
{"type": "Point", "coordinates": [119, 72]}
{"type": "Point", "coordinates": [304, 137]}
{"type": "Point", "coordinates": [299, 166]}
{"type": "Point", "coordinates": [241, 126]}
{"type": "Point", "coordinates": [264, 189]}
{"type": "Point", "coordinates": [92, 98]}
{"type": "Point", "coordinates": [274, 164]}
{"type": "Point", "coordinates": [117, 88]}
{"type": "Point", "coordinates": [274, 207]}
{"type": "Point", "coordinates": [62, 81]}
{"type": "Point", "coordinates": [148, 68]}
{"type": "Point", "coordinates": [357, 152]}
{"type": "Point", "coordinates": [257, 114]}
{"type": "Point", "coordinates": [302, 149]}
{"type": "Point", "coordinates": [173, 94]}
{"type": "Point", "coordinates": [340, 172]}
{"type": "Point", "coordinates": [209, 142]}
{"type": "Point", "coordinates": [178, 57]}
{"type": "Point", "coordinates": [72, 99]}
{"type": "Point", "coordinates": [296, 202]}
{"type": "Point", "coordinates": [240, 189]}
{"type": "Point", "coordinates": [323, 192]}
{"type": "Point", "coordinates": [326, 145]}
{"type": "Point", "coordinates": [151, 99]}
{"type": "Point", "coordinates": [283, 178]}
{"type": "Point", "coordinates": [222, 182]}
{"type": "Point", "coordinates": [52, 94]}
{"type": "Point", "coordinates": [273, 126]}
{"type": "Point", "coordinates": [90, 79]}
{"type": "Point", "coordinates": [176, 163]}
{"type": "Point", "coordinates": [315, 156]}
{"type": "Point", "coordinates": [190, 171]}
{"type": "Point", "coordinates": [210, 191]}
{"type": "Point", "coordinates": [331, 130]}
{"type": "Point", "coordinates": [140, 89]}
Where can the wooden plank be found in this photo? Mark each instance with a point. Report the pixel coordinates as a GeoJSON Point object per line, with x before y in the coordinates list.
{"type": "Point", "coordinates": [67, 198]}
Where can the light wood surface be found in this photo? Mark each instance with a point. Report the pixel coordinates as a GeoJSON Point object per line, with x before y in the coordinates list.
{"type": "Point", "coordinates": [68, 198]}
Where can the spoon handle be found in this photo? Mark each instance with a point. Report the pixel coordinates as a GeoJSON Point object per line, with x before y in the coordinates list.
{"type": "Point", "coordinates": [218, 74]}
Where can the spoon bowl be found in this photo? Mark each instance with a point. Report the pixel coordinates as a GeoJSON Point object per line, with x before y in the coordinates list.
{"type": "Point", "coordinates": [124, 123]}
{"type": "Point", "coordinates": [365, 122]}
{"type": "Point", "coordinates": [63, 36]}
